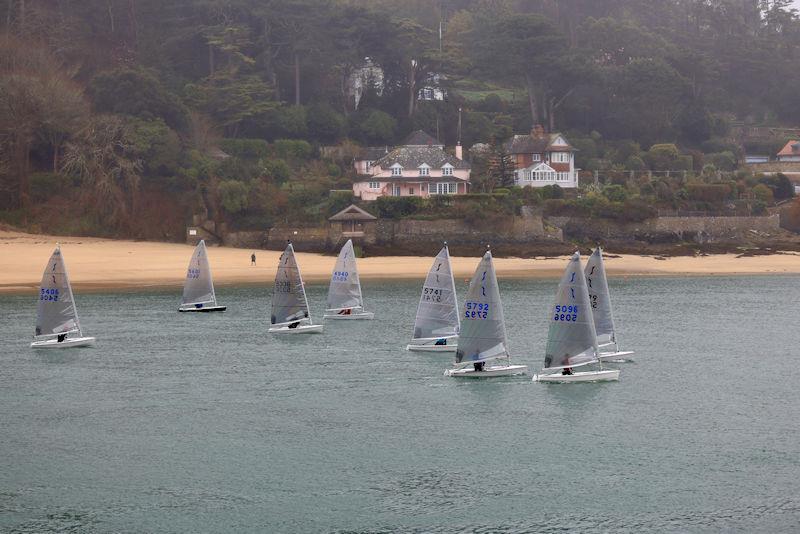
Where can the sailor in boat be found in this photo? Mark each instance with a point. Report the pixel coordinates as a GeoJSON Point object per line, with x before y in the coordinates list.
{"type": "Point", "coordinates": [567, 371]}
{"type": "Point", "coordinates": [61, 338]}
{"type": "Point", "coordinates": [478, 366]}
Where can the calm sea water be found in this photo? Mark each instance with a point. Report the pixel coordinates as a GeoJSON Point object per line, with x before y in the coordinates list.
{"type": "Point", "coordinates": [205, 423]}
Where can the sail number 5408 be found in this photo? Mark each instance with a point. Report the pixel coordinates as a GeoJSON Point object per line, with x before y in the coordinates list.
{"type": "Point", "coordinates": [476, 310]}
{"type": "Point", "coordinates": [566, 312]}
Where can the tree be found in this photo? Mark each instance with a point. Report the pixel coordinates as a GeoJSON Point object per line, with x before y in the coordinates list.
{"type": "Point", "coordinates": [501, 168]}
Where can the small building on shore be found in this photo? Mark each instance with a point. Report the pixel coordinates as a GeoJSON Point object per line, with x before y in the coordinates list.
{"type": "Point", "coordinates": [352, 223]}
{"type": "Point", "coordinates": [542, 159]}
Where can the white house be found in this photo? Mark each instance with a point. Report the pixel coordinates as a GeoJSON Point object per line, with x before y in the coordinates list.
{"type": "Point", "coordinates": [543, 159]}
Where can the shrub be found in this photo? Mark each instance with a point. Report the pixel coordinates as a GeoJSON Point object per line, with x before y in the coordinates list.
{"type": "Point", "coordinates": [233, 195]}
{"type": "Point", "coordinates": [378, 127]}
{"type": "Point", "coordinates": [338, 201]}
{"type": "Point", "coordinates": [708, 192]}
{"type": "Point", "coordinates": [551, 191]}
{"type": "Point", "coordinates": [43, 185]}
{"type": "Point", "coordinates": [397, 207]}
{"type": "Point", "coordinates": [724, 161]}
{"type": "Point", "coordinates": [295, 149]}
{"type": "Point", "coordinates": [278, 170]}
{"type": "Point", "coordinates": [325, 124]}
{"type": "Point", "coordinates": [245, 148]}
{"type": "Point", "coordinates": [763, 193]}
{"type": "Point", "coordinates": [662, 157]}
{"type": "Point", "coordinates": [780, 185]}
{"type": "Point", "coordinates": [635, 163]}
{"type": "Point", "coordinates": [615, 193]}
{"type": "Point", "coordinates": [636, 210]}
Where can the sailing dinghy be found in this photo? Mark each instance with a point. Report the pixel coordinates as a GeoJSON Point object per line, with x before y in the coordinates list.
{"type": "Point", "coordinates": [57, 324]}
{"type": "Point", "coordinates": [600, 300]}
{"type": "Point", "coordinates": [289, 304]}
{"type": "Point", "coordinates": [483, 333]}
{"type": "Point", "coordinates": [198, 289]}
{"type": "Point", "coordinates": [571, 340]}
{"type": "Point", "coordinates": [344, 293]}
{"type": "Point", "coordinates": [437, 322]}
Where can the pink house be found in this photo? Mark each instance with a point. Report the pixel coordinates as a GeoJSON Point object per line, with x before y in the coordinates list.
{"type": "Point", "coordinates": [419, 167]}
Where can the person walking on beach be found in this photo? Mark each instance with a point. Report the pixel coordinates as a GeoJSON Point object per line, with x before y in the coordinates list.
{"type": "Point", "coordinates": [253, 258]}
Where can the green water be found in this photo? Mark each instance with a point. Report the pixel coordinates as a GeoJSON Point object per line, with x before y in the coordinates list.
{"type": "Point", "coordinates": [205, 423]}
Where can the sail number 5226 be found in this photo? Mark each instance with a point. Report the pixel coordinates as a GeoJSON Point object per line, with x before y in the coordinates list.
{"type": "Point", "coordinates": [566, 312]}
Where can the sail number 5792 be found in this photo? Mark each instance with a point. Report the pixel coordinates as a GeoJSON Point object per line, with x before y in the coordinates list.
{"type": "Point", "coordinates": [476, 310]}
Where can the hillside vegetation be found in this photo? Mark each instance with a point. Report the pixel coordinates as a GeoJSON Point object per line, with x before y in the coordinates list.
{"type": "Point", "coordinates": [127, 117]}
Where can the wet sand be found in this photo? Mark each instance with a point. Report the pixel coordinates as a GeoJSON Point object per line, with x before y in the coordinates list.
{"type": "Point", "coordinates": [103, 264]}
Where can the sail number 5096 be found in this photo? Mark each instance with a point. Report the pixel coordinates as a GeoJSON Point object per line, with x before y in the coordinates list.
{"type": "Point", "coordinates": [476, 310]}
{"type": "Point", "coordinates": [566, 312]}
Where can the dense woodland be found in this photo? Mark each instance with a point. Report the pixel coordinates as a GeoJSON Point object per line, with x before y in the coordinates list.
{"type": "Point", "coordinates": [116, 115]}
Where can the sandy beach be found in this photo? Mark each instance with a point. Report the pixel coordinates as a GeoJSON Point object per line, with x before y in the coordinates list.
{"type": "Point", "coordinates": [101, 264]}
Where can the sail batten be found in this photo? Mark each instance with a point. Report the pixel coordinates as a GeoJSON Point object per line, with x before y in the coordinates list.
{"type": "Point", "coordinates": [198, 289]}
{"type": "Point", "coordinates": [571, 338]}
{"type": "Point", "coordinates": [344, 291]}
{"type": "Point", "coordinates": [599, 297]}
{"type": "Point", "coordinates": [55, 311]}
{"type": "Point", "coordinates": [483, 329]}
{"type": "Point", "coordinates": [289, 302]}
{"type": "Point", "coordinates": [437, 313]}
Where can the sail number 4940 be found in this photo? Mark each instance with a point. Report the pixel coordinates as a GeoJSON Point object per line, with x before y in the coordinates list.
{"type": "Point", "coordinates": [566, 312]}
{"type": "Point", "coordinates": [476, 310]}
{"type": "Point", "coordinates": [340, 276]}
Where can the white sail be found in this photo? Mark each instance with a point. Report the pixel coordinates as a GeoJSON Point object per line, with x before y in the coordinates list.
{"type": "Point", "coordinates": [599, 298]}
{"type": "Point", "coordinates": [198, 289]}
{"type": "Point", "coordinates": [55, 310]}
{"type": "Point", "coordinates": [483, 327]}
{"type": "Point", "coordinates": [289, 304]}
{"type": "Point", "coordinates": [344, 291]}
{"type": "Point", "coordinates": [571, 339]}
{"type": "Point", "coordinates": [437, 313]}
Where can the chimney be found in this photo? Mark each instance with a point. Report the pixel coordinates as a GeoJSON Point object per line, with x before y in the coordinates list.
{"type": "Point", "coordinates": [459, 153]}
{"type": "Point", "coordinates": [537, 132]}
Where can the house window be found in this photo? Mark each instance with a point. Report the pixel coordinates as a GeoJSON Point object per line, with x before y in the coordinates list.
{"type": "Point", "coordinates": [559, 157]}
{"type": "Point", "coordinates": [396, 190]}
{"type": "Point", "coordinates": [424, 170]}
{"type": "Point", "coordinates": [536, 157]}
{"type": "Point", "coordinates": [410, 190]}
{"type": "Point", "coordinates": [397, 170]}
{"type": "Point", "coordinates": [447, 170]}
{"type": "Point", "coordinates": [446, 189]}
{"type": "Point", "coordinates": [368, 165]}
{"type": "Point", "coordinates": [374, 185]}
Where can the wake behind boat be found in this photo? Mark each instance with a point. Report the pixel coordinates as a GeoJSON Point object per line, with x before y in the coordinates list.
{"type": "Point", "coordinates": [198, 289]}
{"type": "Point", "coordinates": [600, 299]}
{"type": "Point", "coordinates": [57, 323]}
{"type": "Point", "coordinates": [483, 333]}
{"type": "Point", "coordinates": [344, 293]}
{"type": "Point", "coordinates": [571, 339]}
{"type": "Point", "coordinates": [437, 322]}
{"type": "Point", "coordinates": [290, 313]}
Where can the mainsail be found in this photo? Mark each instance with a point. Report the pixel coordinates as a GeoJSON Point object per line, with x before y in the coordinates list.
{"type": "Point", "coordinates": [483, 331]}
{"type": "Point", "coordinates": [199, 288]}
{"type": "Point", "coordinates": [55, 311]}
{"type": "Point", "coordinates": [437, 314]}
{"type": "Point", "coordinates": [344, 291]}
{"type": "Point", "coordinates": [599, 297]}
{"type": "Point", "coordinates": [571, 340]}
{"type": "Point", "coordinates": [289, 303]}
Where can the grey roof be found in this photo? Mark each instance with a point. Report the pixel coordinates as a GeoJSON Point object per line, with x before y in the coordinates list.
{"type": "Point", "coordinates": [352, 213]}
{"type": "Point", "coordinates": [528, 144]}
{"type": "Point", "coordinates": [371, 153]}
{"type": "Point", "coordinates": [420, 138]}
{"type": "Point", "coordinates": [411, 157]}
{"type": "Point", "coordinates": [410, 179]}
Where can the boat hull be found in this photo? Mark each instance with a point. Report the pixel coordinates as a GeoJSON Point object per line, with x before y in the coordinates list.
{"type": "Point", "coordinates": [430, 344]}
{"type": "Point", "coordinates": [350, 316]}
{"type": "Point", "coordinates": [70, 342]}
{"type": "Point", "coordinates": [617, 357]}
{"type": "Point", "coordinates": [606, 375]}
{"type": "Point", "coordinates": [204, 309]}
{"type": "Point", "coordinates": [488, 372]}
{"type": "Point", "coordinates": [302, 329]}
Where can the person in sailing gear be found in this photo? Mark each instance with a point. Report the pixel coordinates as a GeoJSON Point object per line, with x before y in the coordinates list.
{"type": "Point", "coordinates": [61, 338]}
{"type": "Point", "coordinates": [567, 371]}
{"type": "Point", "coordinates": [478, 366]}
{"type": "Point", "coordinates": [253, 258]}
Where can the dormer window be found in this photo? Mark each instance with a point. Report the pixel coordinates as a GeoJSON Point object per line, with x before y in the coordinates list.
{"type": "Point", "coordinates": [424, 170]}
{"type": "Point", "coordinates": [447, 170]}
{"type": "Point", "coordinates": [397, 169]}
